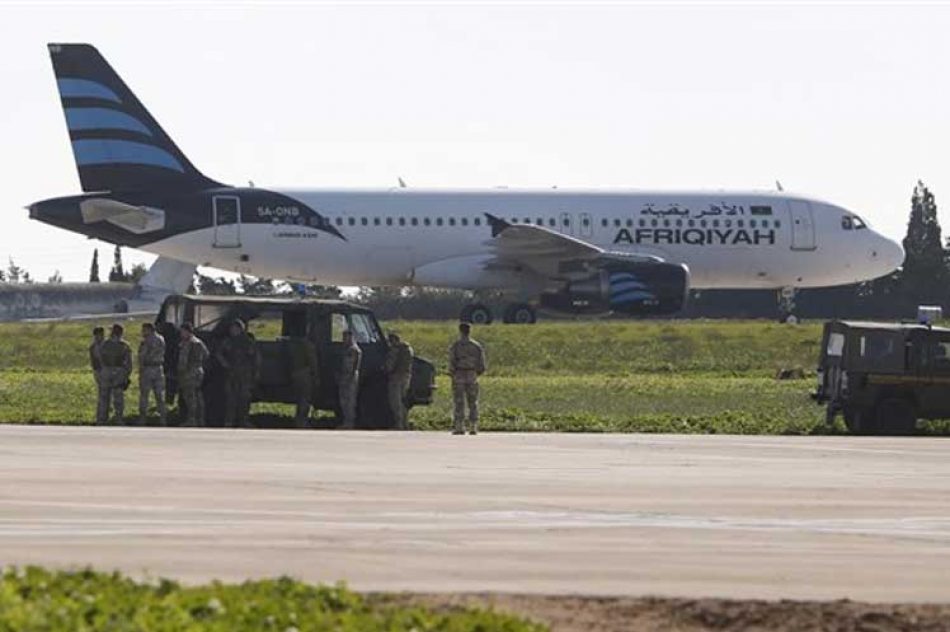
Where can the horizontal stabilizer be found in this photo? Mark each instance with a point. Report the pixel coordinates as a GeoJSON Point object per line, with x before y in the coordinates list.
{"type": "Point", "coordinates": [135, 219]}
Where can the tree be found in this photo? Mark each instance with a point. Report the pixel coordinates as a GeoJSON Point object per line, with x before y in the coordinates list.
{"type": "Point", "coordinates": [214, 286]}
{"type": "Point", "coordinates": [56, 278]}
{"type": "Point", "coordinates": [137, 272]}
{"type": "Point", "coordinates": [254, 286]}
{"type": "Point", "coordinates": [924, 277]}
{"type": "Point", "coordinates": [14, 272]}
{"type": "Point", "coordinates": [117, 273]}
{"type": "Point", "coordinates": [94, 268]}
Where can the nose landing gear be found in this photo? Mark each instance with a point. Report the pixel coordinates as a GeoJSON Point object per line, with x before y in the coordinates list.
{"type": "Point", "coordinates": [786, 306]}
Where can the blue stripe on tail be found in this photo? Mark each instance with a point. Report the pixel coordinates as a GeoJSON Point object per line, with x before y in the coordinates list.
{"type": "Point", "coordinates": [102, 151]}
{"type": "Point", "coordinates": [80, 119]}
{"type": "Point", "coordinates": [70, 88]}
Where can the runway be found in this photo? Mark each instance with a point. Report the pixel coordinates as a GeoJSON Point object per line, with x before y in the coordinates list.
{"type": "Point", "coordinates": [745, 517]}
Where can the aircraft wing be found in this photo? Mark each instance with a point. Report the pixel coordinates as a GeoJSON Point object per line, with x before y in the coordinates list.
{"type": "Point", "coordinates": [545, 251]}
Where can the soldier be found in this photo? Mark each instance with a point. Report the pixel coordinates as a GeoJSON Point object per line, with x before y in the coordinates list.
{"type": "Point", "coordinates": [116, 357]}
{"type": "Point", "coordinates": [151, 372]}
{"type": "Point", "coordinates": [348, 379]}
{"type": "Point", "coordinates": [398, 367]}
{"type": "Point", "coordinates": [304, 375]}
{"type": "Point", "coordinates": [466, 363]}
{"type": "Point", "coordinates": [95, 358]}
{"type": "Point", "coordinates": [239, 357]}
{"type": "Point", "coordinates": [192, 354]}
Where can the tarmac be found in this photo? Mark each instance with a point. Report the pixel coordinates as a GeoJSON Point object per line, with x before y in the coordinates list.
{"type": "Point", "coordinates": [726, 516]}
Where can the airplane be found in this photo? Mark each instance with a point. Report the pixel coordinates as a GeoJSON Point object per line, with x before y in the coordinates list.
{"type": "Point", "coordinates": [583, 251]}
{"type": "Point", "coordinates": [48, 302]}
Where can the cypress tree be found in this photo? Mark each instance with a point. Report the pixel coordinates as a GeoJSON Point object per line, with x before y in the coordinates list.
{"type": "Point", "coordinates": [924, 278]}
{"type": "Point", "coordinates": [94, 269]}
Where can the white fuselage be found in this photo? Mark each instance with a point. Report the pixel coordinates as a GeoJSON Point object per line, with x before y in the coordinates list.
{"type": "Point", "coordinates": [443, 239]}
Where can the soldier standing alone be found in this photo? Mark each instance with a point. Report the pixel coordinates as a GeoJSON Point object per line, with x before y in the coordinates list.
{"type": "Point", "coordinates": [116, 357]}
{"type": "Point", "coordinates": [192, 354]}
{"type": "Point", "coordinates": [466, 363]}
{"type": "Point", "coordinates": [238, 356]}
{"type": "Point", "coordinates": [151, 372]}
{"type": "Point", "coordinates": [398, 367]}
{"type": "Point", "coordinates": [349, 379]}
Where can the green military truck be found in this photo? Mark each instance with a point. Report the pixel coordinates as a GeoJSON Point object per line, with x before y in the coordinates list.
{"type": "Point", "coordinates": [884, 377]}
{"type": "Point", "coordinates": [275, 322]}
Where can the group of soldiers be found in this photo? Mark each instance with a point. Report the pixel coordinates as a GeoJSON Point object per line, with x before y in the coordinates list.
{"type": "Point", "coordinates": [240, 360]}
{"type": "Point", "coordinates": [111, 362]}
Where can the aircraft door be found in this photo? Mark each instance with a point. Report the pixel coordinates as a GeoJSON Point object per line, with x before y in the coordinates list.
{"type": "Point", "coordinates": [586, 228]}
{"type": "Point", "coordinates": [226, 210]}
{"type": "Point", "coordinates": [567, 224]}
{"type": "Point", "coordinates": [803, 225]}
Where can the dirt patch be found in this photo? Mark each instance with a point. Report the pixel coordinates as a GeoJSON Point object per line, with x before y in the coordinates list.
{"type": "Point", "coordinates": [628, 614]}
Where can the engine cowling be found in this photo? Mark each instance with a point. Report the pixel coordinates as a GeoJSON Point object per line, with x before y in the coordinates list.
{"type": "Point", "coordinates": [638, 288]}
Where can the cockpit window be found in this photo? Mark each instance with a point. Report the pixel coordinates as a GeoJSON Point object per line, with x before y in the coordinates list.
{"type": "Point", "coordinates": [852, 222]}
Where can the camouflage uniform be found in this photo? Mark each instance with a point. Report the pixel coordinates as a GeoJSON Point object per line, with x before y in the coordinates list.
{"type": "Point", "coordinates": [152, 375]}
{"type": "Point", "coordinates": [95, 360]}
{"type": "Point", "coordinates": [466, 363]}
{"type": "Point", "coordinates": [116, 357]}
{"type": "Point", "coordinates": [304, 375]}
{"type": "Point", "coordinates": [398, 367]}
{"type": "Point", "coordinates": [349, 382]}
{"type": "Point", "coordinates": [191, 358]}
{"type": "Point", "coordinates": [239, 357]}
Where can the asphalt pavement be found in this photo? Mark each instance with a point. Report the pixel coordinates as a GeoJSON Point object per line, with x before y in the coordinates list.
{"type": "Point", "coordinates": [790, 517]}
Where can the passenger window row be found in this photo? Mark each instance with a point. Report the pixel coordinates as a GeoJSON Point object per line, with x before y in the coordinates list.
{"type": "Point", "coordinates": [411, 221]}
{"type": "Point", "coordinates": [847, 222]}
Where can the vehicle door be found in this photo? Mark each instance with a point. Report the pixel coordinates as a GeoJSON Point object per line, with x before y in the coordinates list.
{"type": "Point", "coordinates": [933, 391]}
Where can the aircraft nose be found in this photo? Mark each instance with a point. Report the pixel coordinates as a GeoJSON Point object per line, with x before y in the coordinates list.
{"type": "Point", "coordinates": [886, 255]}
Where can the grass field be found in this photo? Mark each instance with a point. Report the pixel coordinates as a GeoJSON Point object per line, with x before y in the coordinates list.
{"type": "Point", "coordinates": [679, 376]}
{"type": "Point", "coordinates": [36, 599]}
{"type": "Point", "coordinates": [590, 376]}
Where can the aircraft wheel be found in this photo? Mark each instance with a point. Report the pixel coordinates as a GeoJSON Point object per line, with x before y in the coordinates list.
{"type": "Point", "coordinates": [520, 314]}
{"type": "Point", "coordinates": [477, 314]}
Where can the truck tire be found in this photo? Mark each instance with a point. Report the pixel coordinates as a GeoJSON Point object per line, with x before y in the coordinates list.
{"type": "Point", "coordinates": [858, 421]}
{"type": "Point", "coordinates": [895, 417]}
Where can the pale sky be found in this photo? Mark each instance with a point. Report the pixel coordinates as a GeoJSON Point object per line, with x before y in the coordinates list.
{"type": "Point", "coordinates": [848, 102]}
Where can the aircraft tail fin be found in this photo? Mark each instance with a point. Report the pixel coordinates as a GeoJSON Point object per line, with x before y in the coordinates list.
{"type": "Point", "coordinates": [117, 144]}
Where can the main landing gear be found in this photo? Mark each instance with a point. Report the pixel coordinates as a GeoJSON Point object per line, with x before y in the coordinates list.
{"type": "Point", "coordinates": [514, 313]}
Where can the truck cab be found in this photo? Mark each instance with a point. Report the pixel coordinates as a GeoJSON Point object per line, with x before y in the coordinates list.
{"type": "Point", "coordinates": [883, 377]}
{"type": "Point", "coordinates": [275, 322]}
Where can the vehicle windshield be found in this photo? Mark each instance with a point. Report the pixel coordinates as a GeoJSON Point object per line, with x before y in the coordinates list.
{"type": "Point", "coordinates": [208, 315]}
{"type": "Point", "coordinates": [364, 328]}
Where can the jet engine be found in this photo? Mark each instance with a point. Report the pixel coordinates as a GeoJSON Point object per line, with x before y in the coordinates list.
{"type": "Point", "coordinates": [636, 288]}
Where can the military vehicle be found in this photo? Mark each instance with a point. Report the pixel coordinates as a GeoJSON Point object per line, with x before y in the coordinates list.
{"type": "Point", "coordinates": [275, 322]}
{"type": "Point", "coordinates": [884, 377]}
